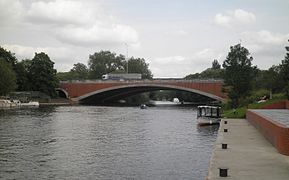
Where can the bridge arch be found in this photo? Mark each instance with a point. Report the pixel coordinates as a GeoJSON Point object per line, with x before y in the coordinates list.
{"type": "Point", "coordinates": [62, 93]}
{"type": "Point", "coordinates": [118, 92]}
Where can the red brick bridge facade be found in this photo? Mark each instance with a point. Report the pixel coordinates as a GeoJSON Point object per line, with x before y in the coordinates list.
{"type": "Point", "coordinates": [83, 91]}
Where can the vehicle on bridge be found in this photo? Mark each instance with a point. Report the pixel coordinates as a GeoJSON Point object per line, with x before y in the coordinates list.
{"type": "Point", "coordinates": [209, 115]}
{"type": "Point", "coordinates": [130, 76]}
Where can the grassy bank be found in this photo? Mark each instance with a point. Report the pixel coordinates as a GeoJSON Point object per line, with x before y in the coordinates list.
{"type": "Point", "coordinates": [241, 111]}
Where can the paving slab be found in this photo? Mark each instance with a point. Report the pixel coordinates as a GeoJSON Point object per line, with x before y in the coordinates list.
{"type": "Point", "coordinates": [279, 115]}
{"type": "Point", "coordinates": [249, 154]}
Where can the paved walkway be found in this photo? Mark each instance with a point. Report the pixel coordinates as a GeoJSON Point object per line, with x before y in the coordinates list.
{"type": "Point", "coordinates": [281, 115]}
{"type": "Point", "coordinates": [249, 154]}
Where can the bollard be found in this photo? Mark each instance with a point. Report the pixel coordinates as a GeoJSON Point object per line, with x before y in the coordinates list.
{"type": "Point", "coordinates": [225, 122]}
{"type": "Point", "coordinates": [224, 146]}
{"type": "Point", "coordinates": [223, 172]}
{"type": "Point", "coordinates": [225, 130]}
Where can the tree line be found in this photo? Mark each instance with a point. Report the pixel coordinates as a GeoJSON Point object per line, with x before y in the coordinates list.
{"type": "Point", "coordinates": [241, 78]}
{"type": "Point", "coordinates": [39, 74]}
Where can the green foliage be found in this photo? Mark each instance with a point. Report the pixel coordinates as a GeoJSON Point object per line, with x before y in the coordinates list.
{"type": "Point", "coordinates": [22, 74]}
{"type": "Point", "coordinates": [216, 64]}
{"type": "Point", "coordinates": [8, 57]}
{"type": "Point", "coordinates": [210, 73]}
{"type": "Point", "coordinates": [240, 112]}
{"type": "Point", "coordinates": [284, 71]}
{"type": "Point", "coordinates": [104, 62]}
{"type": "Point", "coordinates": [7, 78]}
{"type": "Point", "coordinates": [79, 71]}
{"type": "Point", "coordinates": [270, 79]}
{"type": "Point", "coordinates": [64, 76]}
{"type": "Point", "coordinates": [238, 73]}
{"type": "Point", "coordinates": [42, 74]}
{"type": "Point", "coordinates": [138, 65]}
{"type": "Point", "coordinates": [255, 96]}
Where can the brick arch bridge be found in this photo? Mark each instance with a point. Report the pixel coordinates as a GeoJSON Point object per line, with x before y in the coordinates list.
{"type": "Point", "coordinates": [99, 92]}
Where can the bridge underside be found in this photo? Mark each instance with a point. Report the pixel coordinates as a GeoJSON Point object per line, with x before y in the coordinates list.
{"type": "Point", "coordinates": [112, 95]}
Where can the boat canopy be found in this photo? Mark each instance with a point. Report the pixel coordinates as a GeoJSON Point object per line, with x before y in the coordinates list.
{"type": "Point", "coordinates": [209, 111]}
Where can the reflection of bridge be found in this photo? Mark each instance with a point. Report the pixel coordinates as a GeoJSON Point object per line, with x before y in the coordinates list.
{"type": "Point", "coordinates": [98, 92]}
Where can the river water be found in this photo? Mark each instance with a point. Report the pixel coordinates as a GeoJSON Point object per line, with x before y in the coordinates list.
{"type": "Point", "coordinates": [91, 142]}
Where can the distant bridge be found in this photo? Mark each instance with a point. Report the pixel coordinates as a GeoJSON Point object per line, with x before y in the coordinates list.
{"type": "Point", "coordinates": [100, 92]}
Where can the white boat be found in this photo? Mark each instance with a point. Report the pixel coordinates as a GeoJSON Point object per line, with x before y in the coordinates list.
{"type": "Point", "coordinates": [30, 104]}
{"type": "Point", "coordinates": [5, 103]}
{"type": "Point", "coordinates": [208, 115]}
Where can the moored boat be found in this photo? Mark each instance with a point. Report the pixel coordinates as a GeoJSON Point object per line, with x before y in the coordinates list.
{"type": "Point", "coordinates": [30, 104]}
{"type": "Point", "coordinates": [208, 115]}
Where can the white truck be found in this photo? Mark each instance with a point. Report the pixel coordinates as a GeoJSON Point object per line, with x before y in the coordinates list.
{"type": "Point", "coordinates": [130, 76]}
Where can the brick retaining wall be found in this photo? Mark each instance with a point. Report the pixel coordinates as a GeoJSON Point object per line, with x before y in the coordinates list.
{"type": "Point", "coordinates": [276, 133]}
{"type": "Point", "coordinates": [277, 105]}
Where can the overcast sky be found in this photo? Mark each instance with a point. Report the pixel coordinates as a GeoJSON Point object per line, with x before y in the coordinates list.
{"type": "Point", "coordinates": [176, 37]}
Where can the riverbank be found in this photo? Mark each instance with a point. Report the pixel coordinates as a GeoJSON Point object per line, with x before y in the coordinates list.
{"type": "Point", "coordinates": [248, 155]}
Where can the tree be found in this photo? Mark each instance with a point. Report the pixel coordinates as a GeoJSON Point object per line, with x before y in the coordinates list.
{"type": "Point", "coordinates": [22, 75]}
{"type": "Point", "coordinates": [104, 62]}
{"type": "Point", "coordinates": [8, 57]}
{"type": "Point", "coordinates": [7, 78]}
{"type": "Point", "coordinates": [238, 73]}
{"type": "Point", "coordinates": [138, 65]}
{"type": "Point", "coordinates": [79, 71]}
{"type": "Point", "coordinates": [42, 74]}
{"type": "Point", "coordinates": [285, 71]}
{"type": "Point", "coordinates": [215, 64]}
{"type": "Point", "coordinates": [215, 72]}
{"type": "Point", "coordinates": [270, 79]}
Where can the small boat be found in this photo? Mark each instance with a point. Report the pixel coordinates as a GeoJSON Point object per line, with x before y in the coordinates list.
{"type": "Point", "coordinates": [143, 106]}
{"type": "Point", "coordinates": [208, 115]}
{"type": "Point", "coordinates": [30, 104]}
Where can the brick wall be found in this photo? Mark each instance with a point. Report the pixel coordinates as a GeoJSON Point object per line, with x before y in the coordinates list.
{"type": "Point", "coordinates": [276, 133]}
{"type": "Point", "coordinates": [277, 105]}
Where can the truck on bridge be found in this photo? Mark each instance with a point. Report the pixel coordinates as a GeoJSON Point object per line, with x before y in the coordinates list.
{"type": "Point", "coordinates": [130, 76]}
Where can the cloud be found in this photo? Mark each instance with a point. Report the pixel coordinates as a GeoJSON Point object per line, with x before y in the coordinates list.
{"type": "Point", "coordinates": [180, 66]}
{"type": "Point", "coordinates": [11, 12]}
{"type": "Point", "coordinates": [28, 51]}
{"type": "Point", "coordinates": [265, 37]}
{"type": "Point", "coordinates": [63, 57]}
{"type": "Point", "coordinates": [100, 34]}
{"type": "Point", "coordinates": [267, 48]}
{"type": "Point", "coordinates": [80, 23]}
{"type": "Point", "coordinates": [233, 18]}
{"type": "Point", "coordinates": [62, 12]}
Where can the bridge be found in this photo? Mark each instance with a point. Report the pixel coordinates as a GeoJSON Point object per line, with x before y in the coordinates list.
{"type": "Point", "coordinates": [100, 92]}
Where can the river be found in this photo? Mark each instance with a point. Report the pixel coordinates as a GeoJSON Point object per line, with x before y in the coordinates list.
{"type": "Point", "coordinates": [92, 142]}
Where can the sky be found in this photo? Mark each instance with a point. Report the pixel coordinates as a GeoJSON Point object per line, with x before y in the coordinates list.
{"type": "Point", "coordinates": [176, 37]}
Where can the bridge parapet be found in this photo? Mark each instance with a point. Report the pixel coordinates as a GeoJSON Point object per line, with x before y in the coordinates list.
{"type": "Point", "coordinates": [83, 89]}
{"type": "Point", "coordinates": [146, 81]}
